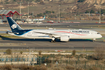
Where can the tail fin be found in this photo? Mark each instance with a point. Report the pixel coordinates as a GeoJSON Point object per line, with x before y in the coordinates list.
{"type": "Point", "coordinates": [13, 25]}
{"type": "Point", "coordinates": [44, 17]}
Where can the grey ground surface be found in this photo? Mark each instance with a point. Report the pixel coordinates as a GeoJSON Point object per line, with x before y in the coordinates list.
{"type": "Point", "coordinates": [45, 44]}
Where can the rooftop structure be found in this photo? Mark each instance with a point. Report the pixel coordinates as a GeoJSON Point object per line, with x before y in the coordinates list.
{"type": "Point", "coordinates": [9, 13]}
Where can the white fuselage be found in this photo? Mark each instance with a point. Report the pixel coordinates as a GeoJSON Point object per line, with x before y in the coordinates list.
{"type": "Point", "coordinates": [73, 34]}
{"type": "Point", "coordinates": [38, 19]}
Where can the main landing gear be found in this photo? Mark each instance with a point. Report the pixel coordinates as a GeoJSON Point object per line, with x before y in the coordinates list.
{"type": "Point", "coordinates": [53, 40]}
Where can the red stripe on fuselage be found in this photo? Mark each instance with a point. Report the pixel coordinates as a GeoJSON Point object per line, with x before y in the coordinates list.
{"type": "Point", "coordinates": [70, 33]}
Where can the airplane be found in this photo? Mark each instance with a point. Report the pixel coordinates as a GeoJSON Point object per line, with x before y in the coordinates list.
{"type": "Point", "coordinates": [39, 19]}
{"type": "Point", "coordinates": [53, 34]}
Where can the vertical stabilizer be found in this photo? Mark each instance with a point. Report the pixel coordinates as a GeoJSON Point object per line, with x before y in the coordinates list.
{"type": "Point", "coordinates": [13, 25]}
{"type": "Point", "coordinates": [44, 17]}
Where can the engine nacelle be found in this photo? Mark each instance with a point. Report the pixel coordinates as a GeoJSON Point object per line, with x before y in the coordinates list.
{"type": "Point", "coordinates": [64, 38]}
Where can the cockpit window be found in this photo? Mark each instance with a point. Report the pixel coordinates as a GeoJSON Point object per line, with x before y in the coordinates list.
{"type": "Point", "coordinates": [98, 33]}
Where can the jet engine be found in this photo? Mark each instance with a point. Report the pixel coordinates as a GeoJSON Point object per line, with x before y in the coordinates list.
{"type": "Point", "coordinates": [64, 38]}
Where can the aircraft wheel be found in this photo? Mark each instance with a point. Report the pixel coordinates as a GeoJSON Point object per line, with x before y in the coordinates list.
{"type": "Point", "coordinates": [52, 41]}
{"type": "Point", "coordinates": [93, 41]}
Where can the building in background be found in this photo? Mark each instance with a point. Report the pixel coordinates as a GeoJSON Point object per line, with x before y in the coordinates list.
{"type": "Point", "coordinates": [11, 13]}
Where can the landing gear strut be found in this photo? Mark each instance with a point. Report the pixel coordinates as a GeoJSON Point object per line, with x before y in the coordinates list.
{"type": "Point", "coordinates": [94, 39]}
{"type": "Point", "coordinates": [53, 40]}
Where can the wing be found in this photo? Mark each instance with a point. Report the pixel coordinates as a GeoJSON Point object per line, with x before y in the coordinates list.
{"type": "Point", "coordinates": [50, 34]}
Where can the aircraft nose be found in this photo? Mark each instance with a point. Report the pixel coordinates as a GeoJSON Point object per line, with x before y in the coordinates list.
{"type": "Point", "coordinates": [100, 36]}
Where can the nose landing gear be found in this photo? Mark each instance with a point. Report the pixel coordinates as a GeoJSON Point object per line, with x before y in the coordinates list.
{"type": "Point", "coordinates": [94, 40]}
